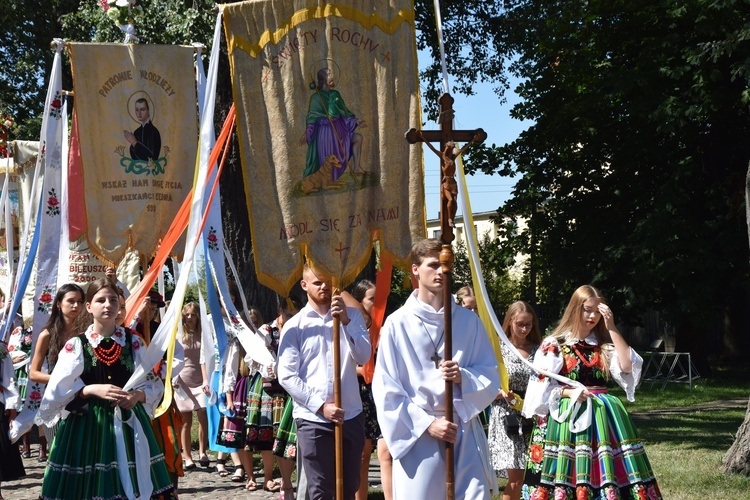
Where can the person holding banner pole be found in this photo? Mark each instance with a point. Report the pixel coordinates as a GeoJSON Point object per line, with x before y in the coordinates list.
{"type": "Point", "coordinates": [409, 388]}
{"type": "Point", "coordinates": [305, 371]}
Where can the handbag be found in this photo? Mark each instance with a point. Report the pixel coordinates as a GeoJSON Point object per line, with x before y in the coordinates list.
{"type": "Point", "coordinates": [516, 424]}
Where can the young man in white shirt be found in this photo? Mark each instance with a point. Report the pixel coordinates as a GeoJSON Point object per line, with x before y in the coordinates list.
{"type": "Point", "coordinates": [409, 389]}
{"type": "Point", "coordinates": [305, 371]}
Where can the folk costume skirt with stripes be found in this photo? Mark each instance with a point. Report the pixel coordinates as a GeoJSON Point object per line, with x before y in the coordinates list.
{"type": "Point", "coordinates": [232, 429]}
{"type": "Point", "coordinates": [285, 442]}
{"type": "Point", "coordinates": [83, 462]}
{"type": "Point", "coordinates": [607, 460]}
{"type": "Point", "coordinates": [264, 412]}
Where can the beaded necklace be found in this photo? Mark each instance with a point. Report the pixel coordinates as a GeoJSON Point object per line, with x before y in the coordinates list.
{"type": "Point", "coordinates": [589, 363]}
{"type": "Point", "coordinates": [109, 354]}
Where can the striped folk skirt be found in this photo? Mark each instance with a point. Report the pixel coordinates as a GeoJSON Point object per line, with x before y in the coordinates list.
{"type": "Point", "coordinates": [232, 429]}
{"type": "Point", "coordinates": [264, 412]}
{"type": "Point", "coordinates": [285, 443]}
{"type": "Point", "coordinates": [83, 460]}
{"type": "Point", "coordinates": [606, 460]}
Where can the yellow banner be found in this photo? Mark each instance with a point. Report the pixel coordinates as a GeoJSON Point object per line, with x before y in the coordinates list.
{"type": "Point", "coordinates": [324, 96]}
{"type": "Point", "coordinates": [137, 125]}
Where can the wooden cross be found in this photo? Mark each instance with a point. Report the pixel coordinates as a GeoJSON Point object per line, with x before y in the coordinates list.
{"type": "Point", "coordinates": [447, 138]}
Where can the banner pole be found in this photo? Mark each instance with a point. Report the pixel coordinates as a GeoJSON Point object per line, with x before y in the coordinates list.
{"type": "Point", "coordinates": [339, 428]}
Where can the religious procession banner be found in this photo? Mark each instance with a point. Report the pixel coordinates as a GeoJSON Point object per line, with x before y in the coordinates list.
{"type": "Point", "coordinates": [137, 127]}
{"type": "Point", "coordinates": [9, 224]}
{"type": "Point", "coordinates": [325, 93]}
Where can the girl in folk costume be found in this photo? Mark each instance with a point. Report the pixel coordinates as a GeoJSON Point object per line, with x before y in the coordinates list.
{"type": "Point", "coordinates": [584, 444]}
{"type": "Point", "coordinates": [508, 432]}
{"type": "Point", "coordinates": [232, 426]}
{"type": "Point", "coordinates": [66, 307]}
{"type": "Point", "coordinates": [97, 452]}
{"type": "Point", "coordinates": [266, 403]}
{"type": "Point", "coordinates": [19, 348]}
{"type": "Point", "coordinates": [214, 387]}
{"type": "Point", "coordinates": [11, 466]}
{"type": "Point", "coordinates": [285, 433]}
{"type": "Point", "coordinates": [261, 406]}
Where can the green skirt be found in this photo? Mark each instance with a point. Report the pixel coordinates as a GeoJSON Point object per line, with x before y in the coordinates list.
{"type": "Point", "coordinates": [264, 412]}
{"type": "Point", "coordinates": [605, 460]}
{"type": "Point", "coordinates": [83, 464]}
{"type": "Point", "coordinates": [285, 444]}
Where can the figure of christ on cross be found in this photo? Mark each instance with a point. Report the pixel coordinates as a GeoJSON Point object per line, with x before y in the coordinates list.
{"type": "Point", "coordinates": [447, 138]}
{"type": "Point", "coordinates": [448, 186]}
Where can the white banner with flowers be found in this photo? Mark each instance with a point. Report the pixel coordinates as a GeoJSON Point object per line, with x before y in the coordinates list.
{"type": "Point", "coordinates": [52, 200]}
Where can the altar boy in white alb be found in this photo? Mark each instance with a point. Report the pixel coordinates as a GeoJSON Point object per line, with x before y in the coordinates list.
{"type": "Point", "coordinates": [409, 390]}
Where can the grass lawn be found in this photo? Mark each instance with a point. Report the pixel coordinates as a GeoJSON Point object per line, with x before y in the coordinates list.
{"type": "Point", "coordinates": [685, 446]}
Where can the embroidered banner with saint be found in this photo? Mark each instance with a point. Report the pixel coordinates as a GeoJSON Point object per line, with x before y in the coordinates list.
{"type": "Point", "coordinates": [137, 126]}
{"type": "Point", "coordinates": [324, 93]}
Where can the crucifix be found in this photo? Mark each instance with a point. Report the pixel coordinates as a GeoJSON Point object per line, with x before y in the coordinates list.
{"type": "Point", "coordinates": [436, 359]}
{"type": "Point", "coordinates": [447, 137]}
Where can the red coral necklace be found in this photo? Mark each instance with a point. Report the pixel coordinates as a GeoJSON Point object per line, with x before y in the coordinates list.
{"type": "Point", "coordinates": [108, 355]}
{"type": "Point", "coordinates": [590, 363]}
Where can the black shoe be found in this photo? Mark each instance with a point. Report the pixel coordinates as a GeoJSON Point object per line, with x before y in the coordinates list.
{"type": "Point", "coordinates": [42, 458]}
{"type": "Point", "coordinates": [26, 454]}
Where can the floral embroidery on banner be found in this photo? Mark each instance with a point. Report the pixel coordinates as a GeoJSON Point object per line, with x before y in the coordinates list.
{"type": "Point", "coordinates": [53, 204]}
{"type": "Point", "coordinates": [34, 396]}
{"type": "Point", "coordinates": [213, 240]}
{"type": "Point", "coordinates": [45, 299]}
{"type": "Point", "coordinates": [55, 107]}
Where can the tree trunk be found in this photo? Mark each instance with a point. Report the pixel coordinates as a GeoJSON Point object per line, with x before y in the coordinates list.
{"type": "Point", "coordinates": [737, 459]}
{"type": "Point", "coordinates": [235, 221]}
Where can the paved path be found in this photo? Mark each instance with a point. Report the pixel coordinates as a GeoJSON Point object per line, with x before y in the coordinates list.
{"type": "Point", "coordinates": [198, 483]}
{"type": "Point", "coordinates": [206, 483]}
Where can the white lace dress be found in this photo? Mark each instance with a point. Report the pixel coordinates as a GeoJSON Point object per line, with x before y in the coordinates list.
{"type": "Point", "coordinates": [509, 452]}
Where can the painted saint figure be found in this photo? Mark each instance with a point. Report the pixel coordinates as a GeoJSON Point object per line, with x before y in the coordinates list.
{"type": "Point", "coordinates": [330, 130]}
{"type": "Point", "coordinates": [145, 141]}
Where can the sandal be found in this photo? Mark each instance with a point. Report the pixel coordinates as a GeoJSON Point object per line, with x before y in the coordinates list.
{"type": "Point", "coordinates": [221, 467]}
{"type": "Point", "coordinates": [189, 466]}
{"type": "Point", "coordinates": [251, 485]}
{"type": "Point", "coordinates": [275, 486]}
{"type": "Point", "coordinates": [239, 474]}
{"type": "Point", "coordinates": [204, 460]}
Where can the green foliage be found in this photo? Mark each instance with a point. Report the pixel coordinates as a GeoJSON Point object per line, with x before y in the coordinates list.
{"type": "Point", "coordinates": [632, 175]}
{"type": "Point", "coordinates": [400, 289]}
{"type": "Point", "coordinates": [29, 29]}
{"type": "Point", "coordinates": [501, 287]}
